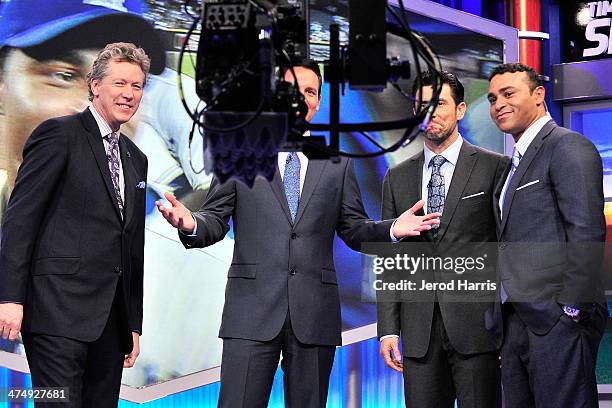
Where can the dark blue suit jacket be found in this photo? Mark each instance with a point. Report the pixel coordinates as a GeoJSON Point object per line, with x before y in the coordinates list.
{"type": "Point", "coordinates": [552, 230]}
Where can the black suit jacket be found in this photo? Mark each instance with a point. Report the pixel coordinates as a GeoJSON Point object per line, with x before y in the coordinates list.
{"type": "Point", "coordinates": [280, 267]}
{"type": "Point", "coordinates": [463, 220]}
{"type": "Point", "coordinates": [552, 230]}
{"type": "Point", "coordinates": [65, 248]}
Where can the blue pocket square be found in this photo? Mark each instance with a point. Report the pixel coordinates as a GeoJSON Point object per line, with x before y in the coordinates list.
{"type": "Point", "coordinates": [141, 184]}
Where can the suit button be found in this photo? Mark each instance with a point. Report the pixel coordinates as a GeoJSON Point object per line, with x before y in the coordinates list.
{"type": "Point", "coordinates": [292, 271]}
{"type": "Point", "coordinates": [117, 270]}
{"type": "Point", "coordinates": [293, 235]}
{"type": "Point", "coordinates": [502, 246]}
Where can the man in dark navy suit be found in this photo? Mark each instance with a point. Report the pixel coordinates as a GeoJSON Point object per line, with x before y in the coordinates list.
{"type": "Point", "coordinates": [551, 228]}
{"type": "Point", "coordinates": [71, 259]}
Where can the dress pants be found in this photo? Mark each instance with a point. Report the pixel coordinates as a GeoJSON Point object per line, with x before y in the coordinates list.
{"type": "Point", "coordinates": [91, 370]}
{"type": "Point", "coordinates": [552, 370]}
{"type": "Point", "coordinates": [443, 375]}
{"type": "Point", "coordinates": [248, 368]}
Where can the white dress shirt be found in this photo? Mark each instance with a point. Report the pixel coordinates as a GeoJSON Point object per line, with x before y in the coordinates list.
{"type": "Point", "coordinates": [105, 130]}
{"type": "Point", "coordinates": [523, 144]}
{"type": "Point", "coordinates": [451, 154]}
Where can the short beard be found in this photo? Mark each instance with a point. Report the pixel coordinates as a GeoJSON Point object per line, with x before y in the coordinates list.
{"type": "Point", "coordinates": [437, 138]}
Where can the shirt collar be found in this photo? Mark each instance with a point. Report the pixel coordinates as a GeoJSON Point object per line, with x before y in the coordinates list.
{"type": "Point", "coordinates": [105, 129]}
{"type": "Point", "coordinates": [530, 133]}
{"type": "Point", "coordinates": [451, 153]}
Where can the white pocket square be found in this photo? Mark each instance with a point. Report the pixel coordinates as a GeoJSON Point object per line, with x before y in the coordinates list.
{"type": "Point", "coordinates": [473, 195]}
{"type": "Point", "coordinates": [141, 184]}
{"type": "Point", "coordinates": [527, 185]}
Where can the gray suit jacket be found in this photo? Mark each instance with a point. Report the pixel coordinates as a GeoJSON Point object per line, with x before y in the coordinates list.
{"type": "Point", "coordinates": [552, 230]}
{"type": "Point", "coordinates": [280, 267]}
{"type": "Point", "coordinates": [463, 221]}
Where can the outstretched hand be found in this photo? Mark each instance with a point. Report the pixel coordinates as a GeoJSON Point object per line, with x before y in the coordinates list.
{"type": "Point", "coordinates": [178, 215]}
{"type": "Point", "coordinates": [410, 225]}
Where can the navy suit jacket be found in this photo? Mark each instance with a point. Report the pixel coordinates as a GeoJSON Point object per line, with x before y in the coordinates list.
{"type": "Point", "coordinates": [552, 230]}
{"type": "Point", "coordinates": [65, 248]}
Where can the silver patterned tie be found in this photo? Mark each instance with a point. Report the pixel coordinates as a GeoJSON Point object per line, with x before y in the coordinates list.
{"type": "Point", "coordinates": [113, 165]}
{"type": "Point", "coordinates": [435, 189]}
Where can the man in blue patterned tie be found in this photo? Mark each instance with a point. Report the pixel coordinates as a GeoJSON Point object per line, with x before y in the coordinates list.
{"type": "Point", "coordinates": [447, 353]}
{"type": "Point", "coordinates": [282, 292]}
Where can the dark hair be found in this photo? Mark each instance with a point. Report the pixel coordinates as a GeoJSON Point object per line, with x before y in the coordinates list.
{"type": "Point", "coordinates": [311, 65]}
{"type": "Point", "coordinates": [512, 67]}
{"type": "Point", "coordinates": [456, 87]}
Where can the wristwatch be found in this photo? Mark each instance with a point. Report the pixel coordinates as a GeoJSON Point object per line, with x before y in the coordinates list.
{"type": "Point", "coordinates": [572, 313]}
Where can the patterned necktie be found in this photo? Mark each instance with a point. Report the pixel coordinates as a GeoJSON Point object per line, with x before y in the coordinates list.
{"type": "Point", "coordinates": [435, 189]}
{"type": "Point", "coordinates": [113, 165]}
{"type": "Point", "coordinates": [291, 182]}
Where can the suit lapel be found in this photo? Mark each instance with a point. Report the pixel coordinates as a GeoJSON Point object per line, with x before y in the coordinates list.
{"type": "Point", "coordinates": [97, 146]}
{"type": "Point", "coordinates": [524, 164]}
{"type": "Point", "coordinates": [412, 188]}
{"type": "Point", "coordinates": [313, 174]}
{"type": "Point", "coordinates": [279, 192]}
{"type": "Point", "coordinates": [465, 163]}
{"type": "Point", "coordinates": [496, 195]}
{"type": "Point", "coordinates": [129, 179]}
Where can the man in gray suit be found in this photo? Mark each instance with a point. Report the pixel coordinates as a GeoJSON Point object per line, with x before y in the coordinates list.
{"type": "Point", "coordinates": [282, 292]}
{"type": "Point", "coordinates": [551, 227]}
{"type": "Point", "coordinates": [447, 350]}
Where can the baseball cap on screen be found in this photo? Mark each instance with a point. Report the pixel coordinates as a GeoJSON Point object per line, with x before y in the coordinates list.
{"type": "Point", "coordinates": [71, 24]}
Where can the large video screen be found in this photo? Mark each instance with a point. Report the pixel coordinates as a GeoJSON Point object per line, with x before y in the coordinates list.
{"type": "Point", "coordinates": [184, 290]}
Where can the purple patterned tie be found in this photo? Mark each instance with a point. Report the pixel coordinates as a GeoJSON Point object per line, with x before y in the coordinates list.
{"type": "Point", "coordinates": [113, 165]}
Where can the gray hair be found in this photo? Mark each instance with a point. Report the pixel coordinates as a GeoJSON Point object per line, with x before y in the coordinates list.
{"type": "Point", "coordinates": [123, 52]}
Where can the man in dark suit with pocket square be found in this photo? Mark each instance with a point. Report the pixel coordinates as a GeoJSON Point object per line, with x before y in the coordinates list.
{"type": "Point", "coordinates": [282, 292]}
{"type": "Point", "coordinates": [71, 260]}
{"type": "Point", "coordinates": [551, 227]}
{"type": "Point", "coordinates": [447, 352]}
